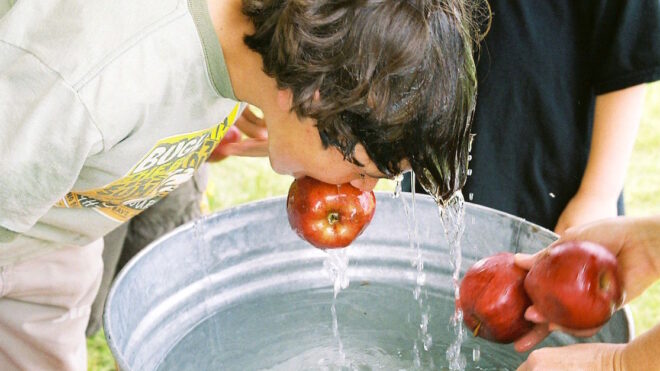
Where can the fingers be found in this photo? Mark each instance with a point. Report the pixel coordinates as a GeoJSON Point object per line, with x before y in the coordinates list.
{"type": "Point", "coordinates": [533, 315]}
{"type": "Point", "coordinates": [247, 148]}
{"type": "Point", "coordinates": [251, 125]}
{"type": "Point", "coordinates": [524, 261]}
{"type": "Point", "coordinates": [542, 329]}
{"type": "Point", "coordinates": [561, 227]}
{"type": "Point", "coordinates": [530, 339]}
{"type": "Point", "coordinates": [567, 234]}
{"type": "Point", "coordinates": [613, 233]}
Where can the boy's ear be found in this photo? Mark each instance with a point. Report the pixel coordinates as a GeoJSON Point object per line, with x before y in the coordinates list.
{"type": "Point", "coordinates": [285, 99]}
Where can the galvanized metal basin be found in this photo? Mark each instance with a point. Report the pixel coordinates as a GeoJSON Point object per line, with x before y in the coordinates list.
{"type": "Point", "coordinates": [238, 290]}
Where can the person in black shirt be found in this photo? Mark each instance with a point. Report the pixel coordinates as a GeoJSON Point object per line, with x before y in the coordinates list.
{"type": "Point", "coordinates": [560, 96]}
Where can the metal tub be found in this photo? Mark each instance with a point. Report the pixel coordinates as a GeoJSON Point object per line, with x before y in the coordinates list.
{"type": "Point", "coordinates": [238, 290]}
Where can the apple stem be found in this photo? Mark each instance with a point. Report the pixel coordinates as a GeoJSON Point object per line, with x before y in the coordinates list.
{"type": "Point", "coordinates": [476, 329]}
{"type": "Point", "coordinates": [604, 281]}
{"type": "Point", "coordinates": [333, 218]}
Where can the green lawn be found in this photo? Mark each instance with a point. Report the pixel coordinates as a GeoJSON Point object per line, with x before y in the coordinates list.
{"type": "Point", "coordinates": [239, 180]}
{"type": "Point", "coordinates": [642, 194]}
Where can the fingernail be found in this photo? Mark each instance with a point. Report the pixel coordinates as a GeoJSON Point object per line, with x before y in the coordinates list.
{"type": "Point", "coordinates": [523, 346]}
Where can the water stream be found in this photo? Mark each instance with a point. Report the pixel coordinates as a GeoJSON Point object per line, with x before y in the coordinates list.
{"type": "Point", "coordinates": [452, 215]}
{"type": "Point", "coordinates": [335, 266]}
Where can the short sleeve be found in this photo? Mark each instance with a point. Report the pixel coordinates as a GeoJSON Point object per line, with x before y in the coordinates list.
{"type": "Point", "coordinates": [626, 44]}
{"type": "Point", "coordinates": [46, 135]}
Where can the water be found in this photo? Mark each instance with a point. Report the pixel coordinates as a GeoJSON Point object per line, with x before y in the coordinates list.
{"type": "Point", "coordinates": [335, 266]}
{"type": "Point", "coordinates": [397, 186]}
{"type": "Point", "coordinates": [452, 215]}
{"type": "Point", "coordinates": [289, 331]}
{"type": "Point", "coordinates": [453, 222]}
{"type": "Point", "coordinates": [372, 355]}
{"type": "Point", "coordinates": [476, 353]}
{"type": "Point", "coordinates": [424, 339]}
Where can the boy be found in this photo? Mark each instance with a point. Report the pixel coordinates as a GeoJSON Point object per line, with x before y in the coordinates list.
{"type": "Point", "coordinates": [108, 106]}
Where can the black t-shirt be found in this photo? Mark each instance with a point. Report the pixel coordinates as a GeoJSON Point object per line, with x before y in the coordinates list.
{"type": "Point", "coordinates": [539, 70]}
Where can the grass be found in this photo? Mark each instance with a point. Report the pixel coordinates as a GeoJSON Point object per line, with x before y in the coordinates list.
{"type": "Point", "coordinates": [642, 195]}
{"type": "Point", "coordinates": [240, 180]}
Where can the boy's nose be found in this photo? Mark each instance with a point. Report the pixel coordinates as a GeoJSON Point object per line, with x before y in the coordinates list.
{"type": "Point", "coordinates": [365, 184]}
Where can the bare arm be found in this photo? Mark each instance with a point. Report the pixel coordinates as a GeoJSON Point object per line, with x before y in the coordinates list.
{"type": "Point", "coordinates": [640, 354]}
{"type": "Point", "coordinates": [616, 120]}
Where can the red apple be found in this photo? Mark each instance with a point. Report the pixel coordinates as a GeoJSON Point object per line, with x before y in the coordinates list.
{"type": "Point", "coordinates": [327, 215]}
{"type": "Point", "coordinates": [575, 284]}
{"type": "Point", "coordinates": [232, 135]}
{"type": "Point", "coordinates": [493, 299]}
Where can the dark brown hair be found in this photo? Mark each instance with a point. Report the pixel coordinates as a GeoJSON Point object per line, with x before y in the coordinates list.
{"type": "Point", "coordinates": [396, 76]}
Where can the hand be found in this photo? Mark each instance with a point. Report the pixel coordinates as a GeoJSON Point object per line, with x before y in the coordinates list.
{"type": "Point", "coordinates": [639, 354]}
{"type": "Point", "coordinates": [256, 143]}
{"type": "Point", "coordinates": [590, 357]}
{"type": "Point", "coordinates": [636, 244]}
{"type": "Point", "coordinates": [635, 241]}
{"type": "Point", "coordinates": [585, 208]}
{"type": "Point", "coordinates": [542, 327]}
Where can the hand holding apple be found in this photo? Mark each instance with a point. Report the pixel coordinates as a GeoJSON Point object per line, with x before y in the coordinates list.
{"type": "Point", "coordinates": [327, 215]}
{"type": "Point", "coordinates": [633, 240]}
{"type": "Point", "coordinates": [575, 285]}
{"type": "Point", "coordinates": [493, 299]}
{"type": "Point", "coordinates": [233, 135]}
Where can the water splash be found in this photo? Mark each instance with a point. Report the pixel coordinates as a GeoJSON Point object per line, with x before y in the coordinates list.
{"type": "Point", "coordinates": [476, 353]}
{"type": "Point", "coordinates": [397, 186]}
{"type": "Point", "coordinates": [419, 292]}
{"type": "Point", "coordinates": [452, 215]}
{"type": "Point", "coordinates": [335, 266]}
{"type": "Point", "coordinates": [335, 332]}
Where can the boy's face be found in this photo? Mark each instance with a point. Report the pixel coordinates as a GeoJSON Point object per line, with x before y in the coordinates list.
{"type": "Point", "coordinates": [295, 148]}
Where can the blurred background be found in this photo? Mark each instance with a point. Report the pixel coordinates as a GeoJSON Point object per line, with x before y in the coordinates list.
{"type": "Point", "coordinates": [236, 181]}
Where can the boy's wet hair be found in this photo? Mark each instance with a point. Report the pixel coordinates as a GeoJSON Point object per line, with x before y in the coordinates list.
{"type": "Point", "coordinates": [396, 76]}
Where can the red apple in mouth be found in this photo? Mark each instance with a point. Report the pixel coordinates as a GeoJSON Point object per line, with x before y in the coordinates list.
{"type": "Point", "coordinates": [328, 215]}
{"type": "Point", "coordinates": [493, 299]}
{"type": "Point", "coordinates": [233, 135]}
{"type": "Point", "coordinates": [575, 285]}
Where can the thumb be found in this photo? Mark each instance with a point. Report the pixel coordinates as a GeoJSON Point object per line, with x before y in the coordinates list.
{"type": "Point", "coordinates": [533, 315]}
{"type": "Point", "coordinates": [524, 261]}
{"type": "Point", "coordinates": [530, 339]}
